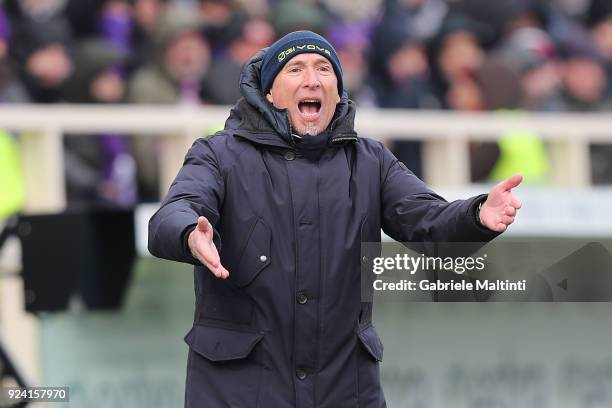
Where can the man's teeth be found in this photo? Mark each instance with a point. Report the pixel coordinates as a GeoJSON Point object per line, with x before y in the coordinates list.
{"type": "Point", "coordinates": [309, 107]}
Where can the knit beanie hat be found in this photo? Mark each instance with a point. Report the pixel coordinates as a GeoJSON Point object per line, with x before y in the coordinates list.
{"type": "Point", "coordinates": [297, 42]}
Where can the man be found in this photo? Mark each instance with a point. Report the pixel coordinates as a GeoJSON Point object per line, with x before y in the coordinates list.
{"type": "Point", "coordinates": [272, 212]}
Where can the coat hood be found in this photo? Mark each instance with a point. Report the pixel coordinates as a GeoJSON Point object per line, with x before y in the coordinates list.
{"type": "Point", "coordinates": [255, 118]}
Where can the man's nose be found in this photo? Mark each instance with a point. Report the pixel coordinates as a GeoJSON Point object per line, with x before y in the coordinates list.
{"type": "Point", "coordinates": [311, 78]}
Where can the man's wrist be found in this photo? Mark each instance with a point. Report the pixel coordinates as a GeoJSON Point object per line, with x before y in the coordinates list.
{"type": "Point", "coordinates": [186, 236]}
{"type": "Point", "coordinates": [478, 220]}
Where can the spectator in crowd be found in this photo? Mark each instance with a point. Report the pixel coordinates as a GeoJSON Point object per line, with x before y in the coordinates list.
{"type": "Point", "coordinates": [583, 75]}
{"type": "Point", "coordinates": [586, 85]}
{"type": "Point", "coordinates": [399, 70]}
{"type": "Point", "coordinates": [457, 55]}
{"type": "Point", "coordinates": [95, 79]}
{"type": "Point", "coordinates": [182, 57]}
{"type": "Point", "coordinates": [146, 16]}
{"type": "Point", "coordinates": [42, 52]}
{"type": "Point", "coordinates": [517, 149]}
{"type": "Point", "coordinates": [100, 169]}
{"type": "Point", "coordinates": [534, 55]}
{"type": "Point", "coordinates": [399, 78]}
{"type": "Point", "coordinates": [247, 36]}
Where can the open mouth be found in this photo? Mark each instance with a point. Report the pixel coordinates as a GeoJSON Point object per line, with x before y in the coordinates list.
{"type": "Point", "coordinates": [309, 107]}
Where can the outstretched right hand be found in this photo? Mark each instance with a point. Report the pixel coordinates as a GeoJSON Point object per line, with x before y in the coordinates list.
{"type": "Point", "coordinates": [203, 248]}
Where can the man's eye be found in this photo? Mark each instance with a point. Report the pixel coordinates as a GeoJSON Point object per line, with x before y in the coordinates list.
{"type": "Point", "coordinates": [294, 69]}
{"type": "Point", "coordinates": [324, 68]}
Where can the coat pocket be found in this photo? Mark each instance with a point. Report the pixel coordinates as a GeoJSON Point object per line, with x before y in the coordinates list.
{"type": "Point", "coordinates": [255, 256]}
{"type": "Point", "coordinates": [371, 342]}
{"type": "Point", "coordinates": [221, 344]}
{"type": "Point", "coordinates": [224, 369]}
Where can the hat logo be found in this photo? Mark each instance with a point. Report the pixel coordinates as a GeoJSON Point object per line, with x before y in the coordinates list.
{"type": "Point", "coordinates": [312, 47]}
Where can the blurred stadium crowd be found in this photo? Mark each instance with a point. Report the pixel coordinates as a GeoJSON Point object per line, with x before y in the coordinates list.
{"type": "Point", "coordinates": [463, 55]}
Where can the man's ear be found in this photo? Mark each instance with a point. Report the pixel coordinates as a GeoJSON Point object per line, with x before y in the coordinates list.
{"type": "Point", "coordinates": [269, 98]}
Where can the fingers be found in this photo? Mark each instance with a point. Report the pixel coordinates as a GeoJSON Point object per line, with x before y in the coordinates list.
{"type": "Point", "coordinates": [503, 220]}
{"type": "Point", "coordinates": [211, 257]}
{"type": "Point", "coordinates": [212, 262]}
{"type": "Point", "coordinates": [203, 224]}
{"type": "Point", "coordinates": [217, 269]}
{"type": "Point", "coordinates": [511, 182]}
{"type": "Point", "coordinates": [220, 272]}
{"type": "Point", "coordinates": [203, 248]}
{"type": "Point", "coordinates": [516, 203]}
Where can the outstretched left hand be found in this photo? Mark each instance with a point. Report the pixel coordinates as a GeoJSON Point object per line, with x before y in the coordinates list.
{"type": "Point", "coordinates": [499, 210]}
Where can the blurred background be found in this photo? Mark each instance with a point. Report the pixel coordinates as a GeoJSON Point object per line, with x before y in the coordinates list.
{"type": "Point", "coordinates": [100, 99]}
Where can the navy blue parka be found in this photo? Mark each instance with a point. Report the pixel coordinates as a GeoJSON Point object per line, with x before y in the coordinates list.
{"type": "Point", "coordinates": [288, 328]}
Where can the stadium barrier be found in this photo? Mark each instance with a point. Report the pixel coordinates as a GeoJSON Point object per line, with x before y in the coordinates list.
{"type": "Point", "coordinates": [446, 137]}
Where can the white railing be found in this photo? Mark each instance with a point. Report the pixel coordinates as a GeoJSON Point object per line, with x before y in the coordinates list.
{"type": "Point", "coordinates": [445, 136]}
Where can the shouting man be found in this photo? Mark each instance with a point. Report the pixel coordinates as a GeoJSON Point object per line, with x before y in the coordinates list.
{"type": "Point", "coordinates": [272, 212]}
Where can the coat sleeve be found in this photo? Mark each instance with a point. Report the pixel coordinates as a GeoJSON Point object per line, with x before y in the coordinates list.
{"type": "Point", "coordinates": [411, 212]}
{"type": "Point", "coordinates": [198, 189]}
